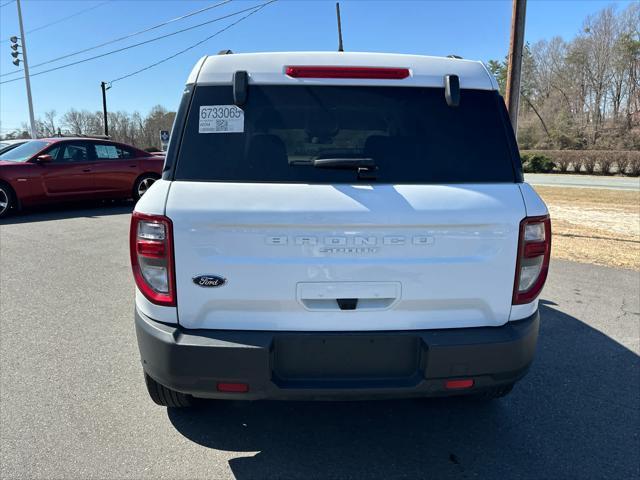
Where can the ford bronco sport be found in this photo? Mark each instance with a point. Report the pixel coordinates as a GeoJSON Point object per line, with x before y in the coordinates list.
{"type": "Point", "coordinates": [338, 225]}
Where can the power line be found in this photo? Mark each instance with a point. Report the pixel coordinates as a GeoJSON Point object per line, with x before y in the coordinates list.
{"type": "Point", "coordinates": [257, 9]}
{"type": "Point", "coordinates": [134, 45]}
{"type": "Point", "coordinates": [137, 44]}
{"type": "Point", "coordinates": [5, 4]}
{"type": "Point", "coordinates": [47, 25]}
{"type": "Point", "coordinates": [109, 42]}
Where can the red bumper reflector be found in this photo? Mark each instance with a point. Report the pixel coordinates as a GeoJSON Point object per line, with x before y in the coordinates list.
{"type": "Point", "coordinates": [458, 384]}
{"type": "Point", "coordinates": [233, 387]}
{"type": "Point", "coordinates": [384, 73]}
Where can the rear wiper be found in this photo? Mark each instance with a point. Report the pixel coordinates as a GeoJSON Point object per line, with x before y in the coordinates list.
{"type": "Point", "coordinates": [366, 167]}
{"type": "Point", "coordinates": [345, 163]}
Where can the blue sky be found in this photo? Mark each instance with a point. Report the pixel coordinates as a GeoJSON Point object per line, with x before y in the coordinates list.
{"type": "Point", "coordinates": [474, 29]}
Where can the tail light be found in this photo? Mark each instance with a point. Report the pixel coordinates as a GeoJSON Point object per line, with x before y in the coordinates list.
{"type": "Point", "coordinates": [151, 248]}
{"type": "Point", "coordinates": [534, 251]}
{"type": "Point", "coordinates": [383, 73]}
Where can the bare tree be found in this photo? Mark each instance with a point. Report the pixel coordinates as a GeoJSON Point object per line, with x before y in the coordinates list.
{"type": "Point", "coordinates": [583, 93]}
{"type": "Point", "coordinates": [48, 127]}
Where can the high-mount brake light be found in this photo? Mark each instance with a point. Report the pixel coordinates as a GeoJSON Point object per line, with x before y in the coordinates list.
{"type": "Point", "coordinates": [383, 73]}
{"type": "Point", "coordinates": [534, 251]}
{"type": "Point", "coordinates": [151, 249]}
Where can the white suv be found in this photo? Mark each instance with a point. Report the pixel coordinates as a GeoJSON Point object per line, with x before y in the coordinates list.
{"type": "Point", "coordinates": [338, 225]}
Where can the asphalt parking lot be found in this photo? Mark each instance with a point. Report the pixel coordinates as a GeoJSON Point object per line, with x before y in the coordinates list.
{"type": "Point", "coordinates": [73, 403]}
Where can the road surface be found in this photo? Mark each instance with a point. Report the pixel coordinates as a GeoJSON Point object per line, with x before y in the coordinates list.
{"type": "Point", "coordinates": [583, 181]}
{"type": "Point", "coordinates": [73, 404]}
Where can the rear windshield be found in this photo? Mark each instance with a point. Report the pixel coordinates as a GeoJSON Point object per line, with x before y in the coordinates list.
{"type": "Point", "coordinates": [411, 135]}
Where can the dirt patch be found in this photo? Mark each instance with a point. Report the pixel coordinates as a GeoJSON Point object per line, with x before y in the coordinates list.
{"type": "Point", "coordinates": [593, 225]}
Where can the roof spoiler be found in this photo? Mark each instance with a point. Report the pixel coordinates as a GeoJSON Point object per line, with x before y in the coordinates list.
{"type": "Point", "coordinates": [452, 90]}
{"type": "Point", "coordinates": [240, 87]}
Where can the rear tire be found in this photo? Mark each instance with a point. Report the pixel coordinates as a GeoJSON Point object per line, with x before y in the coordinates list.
{"type": "Point", "coordinates": [7, 199]}
{"type": "Point", "coordinates": [143, 183]}
{"type": "Point", "coordinates": [165, 397]}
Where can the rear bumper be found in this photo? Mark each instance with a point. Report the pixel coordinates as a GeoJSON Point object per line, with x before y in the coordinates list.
{"type": "Point", "coordinates": [327, 365]}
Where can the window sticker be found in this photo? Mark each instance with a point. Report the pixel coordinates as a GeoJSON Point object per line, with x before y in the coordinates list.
{"type": "Point", "coordinates": [221, 119]}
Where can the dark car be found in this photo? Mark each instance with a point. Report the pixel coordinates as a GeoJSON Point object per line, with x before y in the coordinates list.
{"type": "Point", "coordinates": [67, 169]}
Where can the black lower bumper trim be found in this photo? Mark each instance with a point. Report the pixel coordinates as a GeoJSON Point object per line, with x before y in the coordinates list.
{"type": "Point", "coordinates": [318, 365]}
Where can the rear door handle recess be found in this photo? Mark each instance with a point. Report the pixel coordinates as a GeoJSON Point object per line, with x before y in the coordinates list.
{"type": "Point", "coordinates": [348, 295]}
{"type": "Point", "coordinates": [86, 170]}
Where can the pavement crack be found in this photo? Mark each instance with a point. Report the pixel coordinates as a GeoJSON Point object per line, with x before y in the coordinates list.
{"type": "Point", "coordinates": [596, 237]}
{"type": "Point", "coordinates": [624, 312]}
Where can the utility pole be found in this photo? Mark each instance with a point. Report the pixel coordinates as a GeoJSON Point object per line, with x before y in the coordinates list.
{"type": "Point", "coordinates": [340, 47]}
{"type": "Point", "coordinates": [32, 119]}
{"type": "Point", "coordinates": [103, 86]}
{"type": "Point", "coordinates": [514, 67]}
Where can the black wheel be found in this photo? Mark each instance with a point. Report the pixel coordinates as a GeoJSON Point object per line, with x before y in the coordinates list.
{"type": "Point", "coordinates": [7, 199]}
{"type": "Point", "coordinates": [495, 392]}
{"type": "Point", "coordinates": [166, 397]}
{"type": "Point", "coordinates": [143, 184]}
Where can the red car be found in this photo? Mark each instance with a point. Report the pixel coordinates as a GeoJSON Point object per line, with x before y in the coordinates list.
{"type": "Point", "coordinates": [65, 169]}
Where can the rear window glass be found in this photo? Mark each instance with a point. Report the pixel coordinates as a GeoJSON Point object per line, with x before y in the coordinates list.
{"type": "Point", "coordinates": [410, 133]}
{"type": "Point", "coordinates": [104, 151]}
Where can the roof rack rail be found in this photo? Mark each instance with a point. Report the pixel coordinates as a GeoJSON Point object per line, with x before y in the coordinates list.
{"type": "Point", "coordinates": [225, 52]}
{"type": "Point", "coordinates": [80, 135]}
{"type": "Point", "coordinates": [457, 57]}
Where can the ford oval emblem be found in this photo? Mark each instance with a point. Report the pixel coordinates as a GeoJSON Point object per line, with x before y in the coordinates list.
{"type": "Point", "coordinates": [209, 281]}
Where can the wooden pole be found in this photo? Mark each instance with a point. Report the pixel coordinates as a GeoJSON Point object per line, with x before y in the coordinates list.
{"type": "Point", "coordinates": [104, 88]}
{"type": "Point", "coordinates": [340, 46]}
{"type": "Point", "coordinates": [514, 67]}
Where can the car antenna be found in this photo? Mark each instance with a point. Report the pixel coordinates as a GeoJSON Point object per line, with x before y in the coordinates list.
{"type": "Point", "coordinates": [340, 46]}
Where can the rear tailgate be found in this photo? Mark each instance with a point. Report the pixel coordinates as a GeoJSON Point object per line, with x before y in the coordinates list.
{"type": "Point", "coordinates": [413, 256]}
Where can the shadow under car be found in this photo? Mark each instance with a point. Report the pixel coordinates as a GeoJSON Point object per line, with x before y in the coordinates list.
{"type": "Point", "coordinates": [575, 415]}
